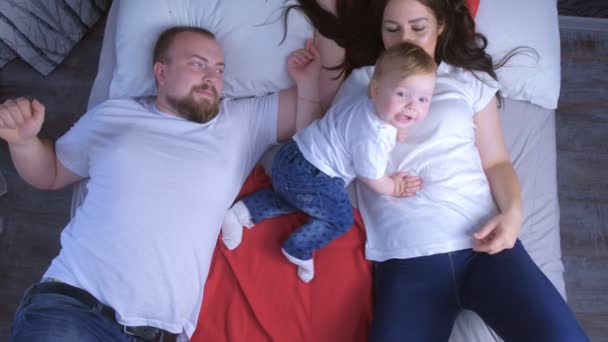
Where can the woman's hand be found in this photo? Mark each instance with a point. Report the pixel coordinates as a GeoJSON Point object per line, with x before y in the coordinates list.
{"type": "Point", "coordinates": [499, 233]}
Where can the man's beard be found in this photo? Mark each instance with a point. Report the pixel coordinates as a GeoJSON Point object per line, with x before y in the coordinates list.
{"type": "Point", "coordinates": [201, 111]}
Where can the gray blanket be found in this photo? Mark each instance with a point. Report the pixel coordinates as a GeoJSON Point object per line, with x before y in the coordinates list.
{"type": "Point", "coordinates": [43, 32]}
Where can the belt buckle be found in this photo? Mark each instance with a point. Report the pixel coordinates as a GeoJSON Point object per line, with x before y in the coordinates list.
{"type": "Point", "coordinates": [145, 333]}
{"type": "Point", "coordinates": [125, 329]}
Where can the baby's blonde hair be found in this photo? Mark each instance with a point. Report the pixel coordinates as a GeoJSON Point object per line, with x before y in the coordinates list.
{"type": "Point", "coordinates": [405, 58]}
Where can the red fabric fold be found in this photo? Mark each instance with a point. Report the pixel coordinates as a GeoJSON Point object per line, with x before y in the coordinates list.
{"type": "Point", "coordinates": [254, 294]}
{"type": "Point", "coordinates": [473, 6]}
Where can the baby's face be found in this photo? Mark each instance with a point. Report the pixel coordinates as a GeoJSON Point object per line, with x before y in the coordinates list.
{"type": "Point", "coordinates": [403, 102]}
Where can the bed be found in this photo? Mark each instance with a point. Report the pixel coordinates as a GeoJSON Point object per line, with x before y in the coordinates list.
{"type": "Point", "coordinates": [252, 294]}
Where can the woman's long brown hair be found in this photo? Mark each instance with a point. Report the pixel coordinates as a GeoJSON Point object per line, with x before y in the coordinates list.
{"type": "Point", "coordinates": [358, 24]}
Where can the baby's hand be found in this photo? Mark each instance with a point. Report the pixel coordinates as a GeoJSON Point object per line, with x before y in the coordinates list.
{"type": "Point", "coordinates": [405, 184]}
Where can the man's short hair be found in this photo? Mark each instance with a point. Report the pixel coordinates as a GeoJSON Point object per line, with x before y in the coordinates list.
{"type": "Point", "coordinates": [164, 41]}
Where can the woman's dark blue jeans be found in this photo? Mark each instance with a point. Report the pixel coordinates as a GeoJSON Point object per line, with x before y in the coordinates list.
{"type": "Point", "coordinates": [299, 185]}
{"type": "Point", "coordinates": [418, 299]}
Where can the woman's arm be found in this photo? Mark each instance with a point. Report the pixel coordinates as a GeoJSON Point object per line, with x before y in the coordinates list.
{"type": "Point", "coordinates": [501, 231]}
{"type": "Point", "coordinates": [329, 80]}
{"type": "Point", "coordinates": [331, 55]}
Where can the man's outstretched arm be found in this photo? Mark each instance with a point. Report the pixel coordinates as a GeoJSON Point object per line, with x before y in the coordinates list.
{"type": "Point", "coordinates": [34, 159]}
{"type": "Point", "coordinates": [300, 106]}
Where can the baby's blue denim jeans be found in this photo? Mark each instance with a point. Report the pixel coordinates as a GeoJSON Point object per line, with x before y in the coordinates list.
{"type": "Point", "coordinates": [299, 185]}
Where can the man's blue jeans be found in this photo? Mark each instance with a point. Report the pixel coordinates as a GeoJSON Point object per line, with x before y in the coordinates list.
{"type": "Point", "coordinates": [52, 317]}
{"type": "Point", "coordinates": [299, 185]}
{"type": "Point", "coordinates": [418, 299]}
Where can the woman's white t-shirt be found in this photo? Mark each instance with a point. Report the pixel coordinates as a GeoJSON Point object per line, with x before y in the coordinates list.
{"type": "Point", "coordinates": [455, 199]}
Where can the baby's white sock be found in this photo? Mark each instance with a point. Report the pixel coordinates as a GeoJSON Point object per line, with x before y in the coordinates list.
{"type": "Point", "coordinates": [306, 268]}
{"type": "Point", "coordinates": [232, 227]}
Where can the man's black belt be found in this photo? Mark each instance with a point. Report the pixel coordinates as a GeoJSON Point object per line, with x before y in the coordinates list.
{"type": "Point", "coordinates": [150, 334]}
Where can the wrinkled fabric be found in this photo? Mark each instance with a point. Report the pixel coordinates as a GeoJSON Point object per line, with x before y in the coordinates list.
{"type": "Point", "coordinates": [43, 32]}
{"type": "Point", "coordinates": [255, 294]}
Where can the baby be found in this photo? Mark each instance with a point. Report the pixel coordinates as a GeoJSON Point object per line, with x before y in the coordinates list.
{"type": "Point", "coordinates": [310, 172]}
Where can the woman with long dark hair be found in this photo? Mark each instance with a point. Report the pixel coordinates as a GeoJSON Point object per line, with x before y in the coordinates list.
{"type": "Point", "coordinates": [454, 245]}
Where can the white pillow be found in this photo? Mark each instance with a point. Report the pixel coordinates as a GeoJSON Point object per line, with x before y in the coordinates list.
{"type": "Point", "coordinates": [512, 23]}
{"type": "Point", "coordinates": [250, 32]}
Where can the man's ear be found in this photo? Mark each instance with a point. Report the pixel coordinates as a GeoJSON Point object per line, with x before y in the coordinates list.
{"type": "Point", "coordinates": [159, 72]}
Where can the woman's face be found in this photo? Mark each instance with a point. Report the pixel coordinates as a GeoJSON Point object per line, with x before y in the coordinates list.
{"type": "Point", "coordinates": [410, 21]}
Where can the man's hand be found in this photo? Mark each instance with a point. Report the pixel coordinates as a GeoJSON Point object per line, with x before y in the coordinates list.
{"type": "Point", "coordinates": [299, 106]}
{"type": "Point", "coordinates": [405, 185]}
{"type": "Point", "coordinates": [34, 159]}
{"type": "Point", "coordinates": [20, 120]}
{"type": "Point", "coordinates": [304, 65]}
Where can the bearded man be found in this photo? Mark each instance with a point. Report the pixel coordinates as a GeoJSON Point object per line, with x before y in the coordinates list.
{"type": "Point", "coordinates": [163, 171]}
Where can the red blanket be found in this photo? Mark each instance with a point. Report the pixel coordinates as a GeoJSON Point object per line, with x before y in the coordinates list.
{"type": "Point", "coordinates": [254, 294]}
{"type": "Point", "coordinates": [473, 6]}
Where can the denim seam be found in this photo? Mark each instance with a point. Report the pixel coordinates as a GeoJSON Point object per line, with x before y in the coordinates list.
{"type": "Point", "coordinates": [456, 288]}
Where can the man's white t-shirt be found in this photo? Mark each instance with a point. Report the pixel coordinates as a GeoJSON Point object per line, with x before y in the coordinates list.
{"type": "Point", "coordinates": [350, 140]}
{"type": "Point", "coordinates": [143, 239]}
{"type": "Point", "coordinates": [455, 198]}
